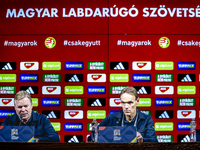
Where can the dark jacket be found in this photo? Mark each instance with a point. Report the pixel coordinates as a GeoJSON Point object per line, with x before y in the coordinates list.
{"type": "Point", "coordinates": [145, 124]}
{"type": "Point", "coordinates": [44, 131]}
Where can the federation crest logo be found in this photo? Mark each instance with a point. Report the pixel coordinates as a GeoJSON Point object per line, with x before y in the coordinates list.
{"type": "Point", "coordinates": [50, 42]}
{"type": "Point", "coordinates": [164, 42]}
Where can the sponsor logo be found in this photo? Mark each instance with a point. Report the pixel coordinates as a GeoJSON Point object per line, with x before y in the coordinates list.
{"type": "Point", "coordinates": [73, 65]}
{"type": "Point", "coordinates": [116, 89]}
{"type": "Point", "coordinates": [186, 101]}
{"type": "Point", "coordinates": [73, 126]}
{"type": "Point", "coordinates": [99, 102]}
{"type": "Point", "coordinates": [7, 65]}
{"type": "Point", "coordinates": [164, 65]}
{"type": "Point", "coordinates": [51, 90]}
{"type": "Point", "coordinates": [186, 89]}
{"type": "Point", "coordinates": [96, 65]}
{"type": "Point", "coordinates": [96, 114]}
{"type": "Point", "coordinates": [164, 77]}
{"type": "Point", "coordinates": [186, 66]}
{"type": "Point", "coordinates": [28, 78]}
{"type": "Point", "coordinates": [51, 102]}
{"type": "Point", "coordinates": [186, 114]}
{"type": "Point", "coordinates": [73, 114]}
{"type": "Point", "coordinates": [147, 112]}
{"type": "Point", "coordinates": [141, 78]}
{"type": "Point", "coordinates": [96, 77]}
{"type": "Point", "coordinates": [8, 77]}
{"type": "Point", "coordinates": [74, 102]}
{"type": "Point", "coordinates": [30, 89]}
{"type": "Point", "coordinates": [56, 126]}
{"type": "Point", "coordinates": [74, 90]}
{"type": "Point", "coordinates": [34, 102]}
{"type": "Point", "coordinates": [50, 42]}
{"type": "Point", "coordinates": [164, 126]}
{"type": "Point", "coordinates": [7, 89]}
{"type": "Point", "coordinates": [143, 89]}
{"type": "Point", "coordinates": [164, 42]}
{"type": "Point", "coordinates": [51, 66]}
{"type": "Point", "coordinates": [119, 77]}
{"type": "Point", "coordinates": [96, 90]}
{"type": "Point", "coordinates": [167, 114]}
{"type": "Point", "coordinates": [29, 65]}
{"type": "Point", "coordinates": [118, 65]}
{"type": "Point", "coordinates": [183, 138]}
{"type": "Point", "coordinates": [7, 102]}
{"type": "Point", "coordinates": [141, 65]}
{"type": "Point", "coordinates": [51, 114]}
{"type": "Point", "coordinates": [51, 77]}
{"type": "Point", "coordinates": [73, 138]}
{"type": "Point", "coordinates": [186, 77]}
{"type": "Point", "coordinates": [115, 102]}
{"type": "Point", "coordinates": [5, 113]}
{"type": "Point", "coordinates": [164, 138]}
{"type": "Point", "coordinates": [164, 89]}
{"type": "Point", "coordinates": [183, 126]}
{"type": "Point", "coordinates": [144, 102]}
{"type": "Point", "coordinates": [73, 77]}
{"type": "Point", "coordinates": [163, 102]}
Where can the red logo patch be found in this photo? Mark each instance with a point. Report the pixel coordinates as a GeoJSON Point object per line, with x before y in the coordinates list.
{"type": "Point", "coordinates": [29, 65]}
{"type": "Point", "coordinates": [51, 89]}
{"type": "Point", "coordinates": [163, 89]}
{"type": "Point", "coordinates": [96, 77]}
{"type": "Point", "coordinates": [6, 101]}
{"type": "Point", "coordinates": [117, 101]}
{"type": "Point", "coordinates": [141, 65]}
{"type": "Point", "coordinates": [186, 113]}
{"type": "Point", "coordinates": [73, 113]}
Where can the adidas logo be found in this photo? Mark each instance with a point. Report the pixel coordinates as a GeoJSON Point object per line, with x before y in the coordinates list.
{"type": "Point", "coordinates": [30, 90]}
{"type": "Point", "coordinates": [74, 79]}
{"type": "Point", "coordinates": [186, 79]}
{"type": "Point", "coordinates": [7, 67]}
{"type": "Point", "coordinates": [142, 91]}
{"type": "Point", "coordinates": [119, 66]}
{"type": "Point", "coordinates": [96, 103]}
{"type": "Point", "coordinates": [164, 115]}
{"type": "Point", "coordinates": [51, 115]}
{"type": "Point", "coordinates": [73, 140]}
{"type": "Point", "coordinates": [186, 139]}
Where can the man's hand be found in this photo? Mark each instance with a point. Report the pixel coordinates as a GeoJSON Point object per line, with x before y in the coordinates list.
{"type": "Point", "coordinates": [139, 138]}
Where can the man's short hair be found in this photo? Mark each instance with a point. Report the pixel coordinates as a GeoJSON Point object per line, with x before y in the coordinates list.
{"type": "Point", "coordinates": [130, 90]}
{"type": "Point", "coordinates": [22, 94]}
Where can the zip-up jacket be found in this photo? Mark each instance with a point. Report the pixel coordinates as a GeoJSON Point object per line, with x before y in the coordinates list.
{"type": "Point", "coordinates": [44, 131]}
{"type": "Point", "coordinates": [144, 125]}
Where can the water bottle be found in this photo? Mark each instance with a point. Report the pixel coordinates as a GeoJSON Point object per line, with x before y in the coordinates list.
{"type": "Point", "coordinates": [94, 131]}
{"type": "Point", "coordinates": [193, 131]}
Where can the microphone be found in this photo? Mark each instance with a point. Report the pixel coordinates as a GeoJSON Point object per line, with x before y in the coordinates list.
{"type": "Point", "coordinates": [21, 116]}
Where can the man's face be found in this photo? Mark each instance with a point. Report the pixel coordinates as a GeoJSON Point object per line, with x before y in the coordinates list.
{"type": "Point", "coordinates": [129, 104]}
{"type": "Point", "coordinates": [23, 107]}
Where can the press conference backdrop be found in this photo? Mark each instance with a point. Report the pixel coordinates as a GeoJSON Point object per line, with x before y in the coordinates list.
{"type": "Point", "coordinates": [75, 57]}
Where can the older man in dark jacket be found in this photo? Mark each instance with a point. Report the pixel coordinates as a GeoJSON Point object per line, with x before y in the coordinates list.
{"type": "Point", "coordinates": [131, 116]}
{"type": "Point", "coordinates": [44, 131]}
